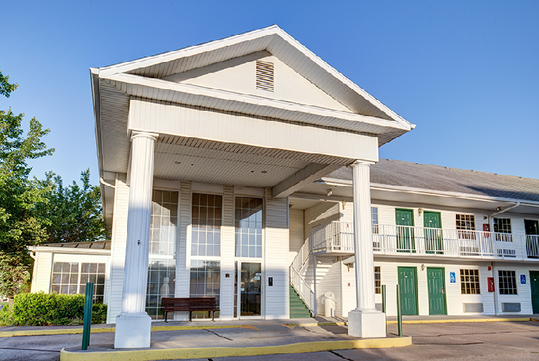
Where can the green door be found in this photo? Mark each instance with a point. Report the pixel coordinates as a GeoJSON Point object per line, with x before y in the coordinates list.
{"type": "Point", "coordinates": [408, 290]}
{"type": "Point", "coordinates": [405, 230]}
{"type": "Point", "coordinates": [433, 232]}
{"type": "Point", "coordinates": [534, 284]}
{"type": "Point", "coordinates": [436, 284]}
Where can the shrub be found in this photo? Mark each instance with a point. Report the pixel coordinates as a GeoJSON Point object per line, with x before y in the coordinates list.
{"type": "Point", "coordinates": [40, 309]}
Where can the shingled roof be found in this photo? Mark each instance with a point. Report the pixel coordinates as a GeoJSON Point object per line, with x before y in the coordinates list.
{"type": "Point", "coordinates": [444, 179]}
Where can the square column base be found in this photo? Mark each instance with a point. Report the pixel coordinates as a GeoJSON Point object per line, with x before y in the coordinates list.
{"type": "Point", "coordinates": [366, 323]}
{"type": "Point", "coordinates": [132, 330]}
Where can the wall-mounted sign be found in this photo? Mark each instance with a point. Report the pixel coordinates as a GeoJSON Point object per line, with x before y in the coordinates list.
{"type": "Point", "coordinates": [522, 279]}
{"type": "Point", "coordinates": [452, 277]}
{"type": "Point", "coordinates": [490, 283]}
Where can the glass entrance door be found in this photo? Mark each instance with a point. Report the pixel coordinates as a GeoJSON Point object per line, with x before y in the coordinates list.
{"type": "Point", "coordinates": [249, 298]}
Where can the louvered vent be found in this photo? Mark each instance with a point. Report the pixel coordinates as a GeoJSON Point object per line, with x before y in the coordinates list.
{"type": "Point", "coordinates": [264, 75]}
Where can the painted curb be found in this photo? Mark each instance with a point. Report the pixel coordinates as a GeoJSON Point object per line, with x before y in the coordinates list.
{"type": "Point", "coordinates": [466, 320]}
{"type": "Point", "coordinates": [214, 352]}
{"type": "Point", "coordinates": [209, 327]}
{"type": "Point", "coordinates": [74, 331]}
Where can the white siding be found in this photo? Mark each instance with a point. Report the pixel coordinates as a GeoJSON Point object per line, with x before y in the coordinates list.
{"type": "Point", "coordinates": [118, 242]}
{"type": "Point", "coordinates": [322, 213]}
{"type": "Point", "coordinates": [331, 282]}
{"type": "Point", "coordinates": [297, 237]}
{"type": "Point", "coordinates": [182, 261]}
{"type": "Point", "coordinates": [276, 257]}
{"type": "Point", "coordinates": [227, 255]}
{"type": "Point", "coordinates": [41, 279]}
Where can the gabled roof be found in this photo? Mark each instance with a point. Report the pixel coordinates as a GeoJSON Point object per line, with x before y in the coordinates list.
{"type": "Point", "coordinates": [402, 175]}
{"type": "Point", "coordinates": [144, 78]}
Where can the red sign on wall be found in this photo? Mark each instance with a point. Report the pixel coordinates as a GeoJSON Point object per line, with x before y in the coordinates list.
{"type": "Point", "coordinates": [490, 282]}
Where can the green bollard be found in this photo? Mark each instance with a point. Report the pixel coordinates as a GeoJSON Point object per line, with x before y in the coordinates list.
{"type": "Point", "coordinates": [399, 311]}
{"type": "Point", "coordinates": [88, 301]}
{"type": "Point", "coordinates": [384, 303]}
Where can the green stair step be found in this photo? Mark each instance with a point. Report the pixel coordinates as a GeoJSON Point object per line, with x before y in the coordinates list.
{"type": "Point", "coordinates": [297, 307]}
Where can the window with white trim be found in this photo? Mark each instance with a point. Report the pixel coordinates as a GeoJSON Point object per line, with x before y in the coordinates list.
{"type": "Point", "coordinates": [69, 278]}
{"type": "Point", "coordinates": [377, 280]}
{"type": "Point", "coordinates": [465, 226]}
{"type": "Point", "coordinates": [507, 281]}
{"type": "Point", "coordinates": [469, 282]}
{"type": "Point", "coordinates": [374, 220]}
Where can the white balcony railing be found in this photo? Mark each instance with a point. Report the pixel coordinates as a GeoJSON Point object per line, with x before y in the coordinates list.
{"type": "Point", "coordinates": [337, 237]}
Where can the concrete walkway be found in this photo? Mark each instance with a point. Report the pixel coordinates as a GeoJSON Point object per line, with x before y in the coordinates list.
{"type": "Point", "coordinates": [206, 339]}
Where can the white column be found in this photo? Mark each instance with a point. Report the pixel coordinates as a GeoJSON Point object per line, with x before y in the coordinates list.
{"type": "Point", "coordinates": [365, 320]}
{"type": "Point", "coordinates": [133, 325]}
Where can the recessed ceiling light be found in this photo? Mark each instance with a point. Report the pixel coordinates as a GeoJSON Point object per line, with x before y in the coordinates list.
{"type": "Point", "coordinates": [264, 171]}
{"type": "Point", "coordinates": [177, 162]}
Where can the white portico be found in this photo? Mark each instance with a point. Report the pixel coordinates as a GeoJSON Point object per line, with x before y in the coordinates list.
{"type": "Point", "coordinates": [202, 147]}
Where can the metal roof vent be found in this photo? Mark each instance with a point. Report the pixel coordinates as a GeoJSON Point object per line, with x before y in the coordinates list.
{"type": "Point", "coordinates": [264, 75]}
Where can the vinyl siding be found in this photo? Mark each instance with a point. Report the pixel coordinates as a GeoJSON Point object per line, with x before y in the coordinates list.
{"type": "Point", "coordinates": [331, 282]}
{"type": "Point", "coordinates": [41, 279]}
{"type": "Point", "coordinates": [276, 256]}
{"type": "Point", "coordinates": [227, 255]}
{"type": "Point", "coordinates": [321, 213]}
{"type": "Point", "coordinates": [182, 264]}
{"type": "Point", "coordinates": [297, 237]}
{"type": "Point", "coordinates": [118, 244]}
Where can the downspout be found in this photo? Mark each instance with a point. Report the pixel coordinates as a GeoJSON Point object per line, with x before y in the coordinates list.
{"type": "Point", "coordinates": [102, 181]}
{"type": "Point", "coordinates": [500, 212]}
{"type": "Point", "coordinates": [495, 289]}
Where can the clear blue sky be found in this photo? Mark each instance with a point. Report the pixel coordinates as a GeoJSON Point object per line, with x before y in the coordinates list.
{"type": "Point", "coordinates": [465, 72]}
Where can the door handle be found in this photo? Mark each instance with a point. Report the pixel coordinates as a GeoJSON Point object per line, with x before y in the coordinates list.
{"type": "Point", "coordinates": [443, 291]}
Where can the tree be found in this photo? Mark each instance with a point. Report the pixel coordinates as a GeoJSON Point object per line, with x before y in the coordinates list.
{"type": "Point", "coordinates": [74, 212]}
{"type": "Point", "coordinates": [20, 226]}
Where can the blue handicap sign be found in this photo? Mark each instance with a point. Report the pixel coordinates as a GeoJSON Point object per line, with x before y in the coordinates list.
{"type": "Point", "coordinates": [452, 278]}
{"type": "Point", "coordinates": [522, 279]}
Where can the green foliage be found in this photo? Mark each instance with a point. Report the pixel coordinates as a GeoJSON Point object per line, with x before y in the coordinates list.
{"type": "Point", "coordinates": [40, 309]}
{"type": "Point", "coordinates": [74, 212]}
{"type": "Point", "coordinates": [19, 197]}
{"type": "Point", "coordinates": [5, 87]}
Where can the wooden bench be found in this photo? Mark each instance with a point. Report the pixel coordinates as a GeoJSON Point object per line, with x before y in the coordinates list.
{"type": "Point", "coordinates": [189, 304]}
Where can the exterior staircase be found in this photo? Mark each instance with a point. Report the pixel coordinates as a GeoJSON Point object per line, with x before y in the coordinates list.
{"type": "Point", "coordinates": [297, 306]}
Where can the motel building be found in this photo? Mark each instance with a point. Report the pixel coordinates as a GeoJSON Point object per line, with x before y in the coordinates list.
{"type": "Point", "coordinates": [247, 169]}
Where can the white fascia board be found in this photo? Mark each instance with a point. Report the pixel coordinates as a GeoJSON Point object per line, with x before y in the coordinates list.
{"type": "Point", "coordinates": [186, 52]}
{"type": "Point", "coordinates": [428, 192]}
{"type": "Point", "coordinates": [69, 250]}
{"type": "Point", "coordinates": [324, 65]}
{"type": "Point", "coordinates": [294, 46]}
{"type": "Point", "coordinates": [382, 125]}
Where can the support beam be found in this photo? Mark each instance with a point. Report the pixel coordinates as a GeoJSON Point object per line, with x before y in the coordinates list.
{"type": "Point", "coordinates": [302, 178]}
{"type": "Point", "coordinates": [365, 320]}
{"type": "Point", "coordinates": [133, 325]}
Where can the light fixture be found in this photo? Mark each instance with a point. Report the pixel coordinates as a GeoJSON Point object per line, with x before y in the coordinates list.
{"type": "Point", "coordinates": [329, 192]}
{"type": "Point", "coordinates": [343, 204]}
{"type": "Point", "coordinates": [423, 267]}
{"type": "Point", "coordinates": [498, 209]}
{"type": "Point", "coordinates": [419, 210]}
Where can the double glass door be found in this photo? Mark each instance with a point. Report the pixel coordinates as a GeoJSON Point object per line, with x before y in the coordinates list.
{"type": "Point", "coordinates": [248, 289]}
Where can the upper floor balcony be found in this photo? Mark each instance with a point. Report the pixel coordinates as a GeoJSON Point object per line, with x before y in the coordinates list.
{"type": "Point", "coordinates": [337, 238]}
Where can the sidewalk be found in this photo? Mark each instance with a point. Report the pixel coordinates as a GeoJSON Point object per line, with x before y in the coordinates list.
{"type": "Point", "coordinates": [206, 339]}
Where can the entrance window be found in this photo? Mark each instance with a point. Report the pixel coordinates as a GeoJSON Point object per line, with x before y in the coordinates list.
{"type": "Point", "coordinates": [508, 282]}
{"type": "Point", "coordinates": [205, 282]}
{"type": "Point", "coordinates": [162, 252]}
{"type": "Point", "coordinates": [207, 216]}
{"type": "Point", "coordinates": [248, 223]}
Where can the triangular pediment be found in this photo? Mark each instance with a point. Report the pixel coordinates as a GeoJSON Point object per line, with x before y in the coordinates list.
{"type": "Point", "coordinates": [328, 88]}
{"type": "Point", "coordinates": [240, 75]}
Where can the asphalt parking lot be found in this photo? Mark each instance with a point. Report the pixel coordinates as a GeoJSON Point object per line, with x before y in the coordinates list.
{"type": "Point", "coordinates": [438, 341]}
